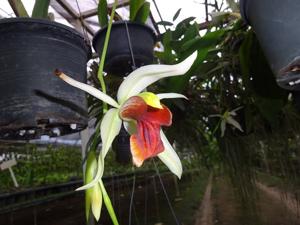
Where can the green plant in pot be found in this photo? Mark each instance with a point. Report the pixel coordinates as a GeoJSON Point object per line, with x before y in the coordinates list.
{"type": "Point", "coordinates": [131, 42]}
{"type": "Point", "coordinates": [33, 102]}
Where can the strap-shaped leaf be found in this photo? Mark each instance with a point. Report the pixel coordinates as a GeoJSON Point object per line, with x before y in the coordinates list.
{"type": "Point", "coordinates": [176, 14]}
{"type": "Point", "coordinates": [102, 13]}
{"type": "Point", "coordinates": [170, 158]}
{"type": "Point", "coordinates": [143, 13]}
{"type": "Point", "coordinates": [141, 78]}
{"type": "Point", "coordinates": [134, 6]}
{"type": "Point", "coordinates": [40, 9]}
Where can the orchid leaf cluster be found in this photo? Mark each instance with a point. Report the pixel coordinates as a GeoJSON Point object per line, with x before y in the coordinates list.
{"type": "Point", "coordinates": [40, 9]}
{"type": "Point", "coordinates": [139, 11]}
{"type": "Point", "coordinates": [142, 114]}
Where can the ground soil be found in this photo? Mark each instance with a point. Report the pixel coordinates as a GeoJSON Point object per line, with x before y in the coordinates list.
{"type": "Point", "coordinates": [228, 210]}
{"type": "Point", "coordinates": [149, 204]}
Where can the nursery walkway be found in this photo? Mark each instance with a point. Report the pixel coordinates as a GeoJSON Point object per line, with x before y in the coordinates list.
{"type": "Point", "coordinates": [227, 210]}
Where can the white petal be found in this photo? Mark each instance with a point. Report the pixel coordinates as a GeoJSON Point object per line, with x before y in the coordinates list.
{"type": "Point", "coordinates": [142, 77]}
{"type": "Point", "coordinates": [233, 112]}
{"type": "Point", "coordinates": [89, 89]}
{"type": "Point", "coordinates": [110, 127]}
{"type": "Point", "coordinates": [96, 201]}
{"type": "Point", "coordinates": [170, 95]}
{"type": "Point", "coordinates": [234, 123]}
{"type": "Point", "coordinates": [169, 157]}
{"type": "Point", "coordinates": [223, 127]}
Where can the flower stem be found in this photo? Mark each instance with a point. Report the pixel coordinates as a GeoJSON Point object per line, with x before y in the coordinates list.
{"type": "Point", "coordinates": [102, 60]}
{"type": "Point", "coordinates": [108, 204]}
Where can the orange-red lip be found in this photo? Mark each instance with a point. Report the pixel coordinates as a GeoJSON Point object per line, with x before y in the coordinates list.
{"type": "Point", "coordinates": [146, 143]}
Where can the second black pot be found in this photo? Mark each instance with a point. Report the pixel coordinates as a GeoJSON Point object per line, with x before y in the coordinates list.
{"type": "Point", "coordinates": [276, 24]}
{"type": "Point", "coordinates": [118, 58]}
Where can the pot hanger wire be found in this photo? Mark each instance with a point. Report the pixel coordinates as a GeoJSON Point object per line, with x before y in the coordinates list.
{"type": "Point", "coordinates": [84, 31]}
{"type": "Point", "coordinates": [130, 46]}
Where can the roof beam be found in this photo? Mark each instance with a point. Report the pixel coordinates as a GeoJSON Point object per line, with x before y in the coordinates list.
{"type": "Point", "coordinates": [66, 11]}
{"type": "Point", "coordinates": [94, 12]}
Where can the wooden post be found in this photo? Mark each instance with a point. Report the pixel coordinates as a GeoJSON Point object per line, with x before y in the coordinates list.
{"type": "Point", "coordinates": [8, 165]}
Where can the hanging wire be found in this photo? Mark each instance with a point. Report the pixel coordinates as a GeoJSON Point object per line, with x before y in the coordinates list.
{"type": "Point", "coordinates": [133, 211]}
{"type": "Point", "coordinates": [131, 199]}
{"type": "Point", "coordinates": [146, 201]}
{"type": "Point", "coordinates": [86, 37]}
{"type": "Point", "coordinates": [156, 7]}
{"type": "Point", "coordinates": [130, 46]}
{"type": "Point", "coordinates": [166, 194]}
{"type": "Point", "coordinates": [156, 200]}
{"type": "Point", "coordinates": [8, 14]}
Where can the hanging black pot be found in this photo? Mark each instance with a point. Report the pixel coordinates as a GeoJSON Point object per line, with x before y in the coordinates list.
{"type": "Point", "coordinates": [121, 146]}
{"type": "Point", "coordinates": [276, 23]}
{"type": "Point", "coordinates": [124, 37]}
{"type": "Point", "coordinates": [34, 102]}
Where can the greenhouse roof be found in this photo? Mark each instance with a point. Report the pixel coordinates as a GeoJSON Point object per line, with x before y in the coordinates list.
{"type": "Point", "coordinates": [82, 14]}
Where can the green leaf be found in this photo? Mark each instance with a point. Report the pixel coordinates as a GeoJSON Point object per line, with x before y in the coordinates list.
{"type": "Point", "coordinates": [209, 40]}
{"type": "Point", "coordinates": [40, 9]}
{"type": "Point", "coordinates": [143, 13]}
{"type": "Point", "coordinates": [134, 6]}
{"type": "Point", "coordinates": [167, 55]}
{"type": "Point", "coordinates": [102, 13]}
{"type": "Point", "coordinates": [164, 23]}
{"type": "Point", "coordinates": [182, 26]}
{"type": "Point", "coordinates": [191, 32]}
{"type": "Point", "coordinates": [176, 14]}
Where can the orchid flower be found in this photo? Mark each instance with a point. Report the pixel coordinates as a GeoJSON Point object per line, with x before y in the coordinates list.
{"type": "Point", "coordinates": [141, 113]}
{"type": "Point", "coordinates": [227, 118]}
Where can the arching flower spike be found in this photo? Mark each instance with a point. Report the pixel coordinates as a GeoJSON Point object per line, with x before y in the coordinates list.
{"type": "Point", "coordinates": [142, 115]}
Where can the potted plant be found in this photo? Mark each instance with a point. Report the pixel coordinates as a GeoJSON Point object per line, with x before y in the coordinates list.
{"type": "Point", "coordinates": [131, 42]}
{"type": "Point", "coordinates": [33, 102]}
{"type": "Point", "coordinates": [274, 23]}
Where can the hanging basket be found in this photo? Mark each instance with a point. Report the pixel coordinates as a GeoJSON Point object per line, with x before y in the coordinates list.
{"type": "Point", "coordinates": [276, 23]}
{"type": "Point", "coordinates": [119, 58]}
{"type": "Point", "coordinates": [34, 102]}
